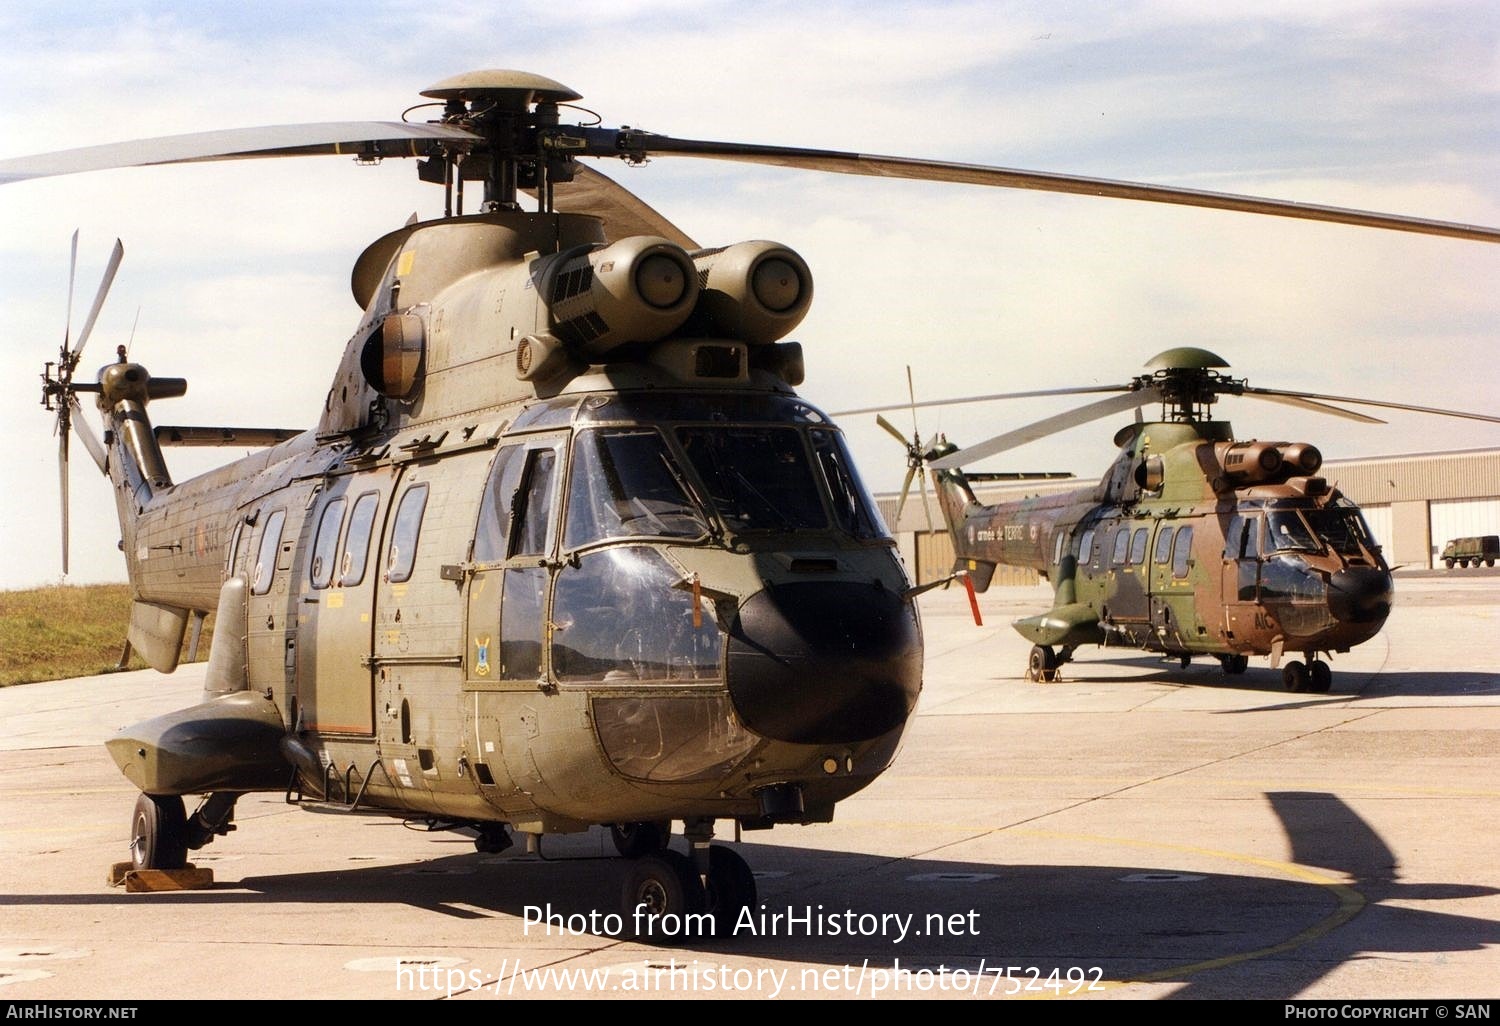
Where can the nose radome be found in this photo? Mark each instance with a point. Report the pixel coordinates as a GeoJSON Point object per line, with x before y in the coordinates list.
{"type": "Point", "coordinates": [1360, 594]}
{"type": "Point", "coordinates": [825, 662]}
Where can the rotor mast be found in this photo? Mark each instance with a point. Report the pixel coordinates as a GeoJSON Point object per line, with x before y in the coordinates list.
{"type": "Point", "coordinates": [512, 112]}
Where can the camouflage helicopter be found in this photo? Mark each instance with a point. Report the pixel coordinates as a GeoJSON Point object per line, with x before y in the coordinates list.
{"type": "Point", "coordinates": [1193, 543]}
{"type": "Point", "coordinates": [564, 547]}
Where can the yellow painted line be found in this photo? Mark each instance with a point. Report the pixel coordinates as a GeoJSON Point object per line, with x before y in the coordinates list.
{"type": "Point", "coordinates": [1349, 901]}
{"type": "Point", "coordinates": [68, 790]}
{"type": "Point", "coordinates": [1257, 785]}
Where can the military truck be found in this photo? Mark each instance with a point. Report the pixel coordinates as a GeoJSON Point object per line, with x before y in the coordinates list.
{"type": "Point", "coordinates": [1466, 552]}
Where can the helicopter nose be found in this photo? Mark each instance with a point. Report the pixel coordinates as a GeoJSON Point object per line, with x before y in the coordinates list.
{"type": "Point", "coordinates": [1360, 594]}
{"type": "Point", "coordinates": [825, 662]}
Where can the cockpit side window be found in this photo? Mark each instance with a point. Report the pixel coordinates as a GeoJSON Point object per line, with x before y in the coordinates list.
{"type": "Point", "coordinates": [852, 507]}
{"type": "Point", "coordinates": [494, 510]}
{"type": "Point", "coordinates": [533, 505]}
{"type": "Point", "coordinates": [624, 483]}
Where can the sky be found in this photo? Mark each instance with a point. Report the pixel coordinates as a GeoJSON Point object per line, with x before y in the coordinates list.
{"type": "Point", "coordinates": [236, 274]}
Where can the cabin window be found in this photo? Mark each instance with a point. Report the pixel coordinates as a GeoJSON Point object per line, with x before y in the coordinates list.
{"type": "Point", "coordinates": [1138, 545]}
{"type": "Point", "coordinates": [1086, 547]}
{"type": "Point", "coordinates": [232, 550]}
{"type": "Point", "coordinates": [623, 482]}
{"type": "Point", "coordinates": [403, 553]}
{"type": "Point", "coordinates": [1057, 548]}
{"type": "Point", "coordinates": [621, 617]}
{"type": "Point", "coordinates": [529, 518]}
{"type": "Point", "coordinates": [1164, 544]}
{"type": "Point", "coordinates": [325, 542]}
{"type": "Point", "coordinates": [1182, 551]}
{"type": "Point", "coordinates": [357, 540]}
{"type": "Point", "coordinates": [494, 510]}
{"type": "Point", "coordinates": [265, 556]}
{"type": "Point", "coordinates": [1122, 546]}
{"type": "Point", "coordinates": [757, 477]}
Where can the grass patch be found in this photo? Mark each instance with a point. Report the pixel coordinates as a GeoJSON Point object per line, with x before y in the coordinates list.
{"type": "Point", "coordinates": [65, 631]}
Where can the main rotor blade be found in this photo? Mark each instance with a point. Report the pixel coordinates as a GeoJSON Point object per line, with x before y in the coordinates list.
{"type": "Point", "coordinates": [1266, 393]}
{"type": "Point", "coordinates": [1048, 426]}
{"type": "Point", "coordinates": [1308, 404]}
{"type": "Point", "coordinates": [1043, 181]}
{"type": "Point", "coordinates": [986, 398]}
{"type": "Point", "coordinates": [115, 256]}
{"type": "Point", "coordinates": [623, 212]}
{"type": "Point", "coordinates": [355, 138]}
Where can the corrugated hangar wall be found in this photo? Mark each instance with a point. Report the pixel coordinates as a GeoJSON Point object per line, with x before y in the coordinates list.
{"type": "Point", "coordinates": [1415, 503]}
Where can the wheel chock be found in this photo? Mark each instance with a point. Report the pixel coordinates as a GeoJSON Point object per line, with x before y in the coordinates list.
{"type": "Point", "coordinates": [141, 881]}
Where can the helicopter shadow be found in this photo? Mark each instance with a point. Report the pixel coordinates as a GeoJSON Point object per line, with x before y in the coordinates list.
{"type": "Point", "coordinates": [1219, 935]}
{"type": "Point", "coordinates": [1350, 685]}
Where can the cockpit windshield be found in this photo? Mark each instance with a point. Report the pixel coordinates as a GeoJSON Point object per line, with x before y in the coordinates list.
{"type": "Point", "coordinates": [1343, 530]}
{"type": "Point", "coordinates": [1289, 532]}
{"type": "Point", "coordinates": [625, 483]}
{"type": "Point", "coordinates": [758, 478]}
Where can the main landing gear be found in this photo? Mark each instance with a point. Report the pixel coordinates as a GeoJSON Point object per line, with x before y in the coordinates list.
{"type": "Point", "coordinates": [671, 895]}
{"type": "Point", "coordinates": [1044, 664]}
{"type": "Point", "coordinates": [1314, 675]}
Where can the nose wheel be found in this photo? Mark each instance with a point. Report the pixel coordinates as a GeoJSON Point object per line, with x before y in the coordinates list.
{"type": "Point", "coordinates": [666, 896]}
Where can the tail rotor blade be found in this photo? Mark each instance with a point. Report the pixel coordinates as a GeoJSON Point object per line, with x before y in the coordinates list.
{"type": "Point", "coordinates": [911, 472]}
{"type": "Point", "coordinates": [926, 509]}
{"type": "Point", "coordinates": [115, 257]}
{"type": "Point", "coordinates": [891, 429]}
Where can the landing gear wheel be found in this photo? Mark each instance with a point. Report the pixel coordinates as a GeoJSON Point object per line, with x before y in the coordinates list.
{"type": "Point", "coordinates": [1294, 676]}
{"type": "Point", "coordinates": [659, 891]}
{"type": "Point", "coordinates": [636, 839]}
{"type": "Point", "coordinates": [731, 888]}
{"type": "Point", "coordinates": [1042, 664]}
{"type": "Point", "coordinates": [158, 833]}
{"type": "Point", "coordinates": [1319, 677]}
{"type": "Point", "coordinates": [1234, 663]}
{"type": "Point", "coordinates": [1185, 661]}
